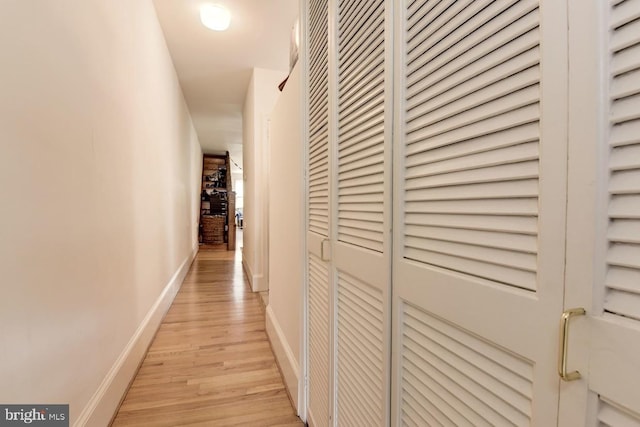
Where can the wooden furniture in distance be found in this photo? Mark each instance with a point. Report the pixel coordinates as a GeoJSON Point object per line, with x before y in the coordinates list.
{"type": "Point", "coordinates": [217, 202]}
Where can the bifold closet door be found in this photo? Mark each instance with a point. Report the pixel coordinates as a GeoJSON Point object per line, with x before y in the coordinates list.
{"type": "Point", "coordinates": [361, 118]}
{"type": "Point", "coordinates": [349, 202]}
{"type": "Point", "coordinates": [318, 222]}
{"type": "Point", "coordinates": [605, 167]}
{"type": "Point", "coordinates": [479, 218]}
{"type": "Point", "coordinates": [614, 369]}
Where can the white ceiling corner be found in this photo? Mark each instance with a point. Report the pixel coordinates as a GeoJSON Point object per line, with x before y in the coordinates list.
{"type": "Point", "coordinates": [214, 68]}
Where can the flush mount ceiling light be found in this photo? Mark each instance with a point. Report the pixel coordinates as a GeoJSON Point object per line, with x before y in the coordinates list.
{"type": "Point", "coordinates": [215, 17]}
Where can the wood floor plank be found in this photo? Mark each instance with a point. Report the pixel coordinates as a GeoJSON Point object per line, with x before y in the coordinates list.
{"type": "Point", "coordinates": [210, 363]}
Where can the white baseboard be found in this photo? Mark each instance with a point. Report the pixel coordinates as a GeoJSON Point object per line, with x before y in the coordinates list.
{"type": "Point", "coordinates": [259, 284]}
{"type": "Point", "coordinates": [104, 403]}
{"type": "Point", "coordinates": [247, 270]}
{"type": "Point", "coordinates": [284, 355]}
{"type": "Point", "coordinates": [256, 281]}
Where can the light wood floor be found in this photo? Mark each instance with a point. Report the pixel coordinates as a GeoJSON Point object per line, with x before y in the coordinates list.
{"type": "Point", "coordinates": [210, 363]}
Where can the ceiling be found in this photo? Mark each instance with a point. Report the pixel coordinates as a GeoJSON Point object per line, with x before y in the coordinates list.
{"type": "Point", "coordinates": [214, 68]}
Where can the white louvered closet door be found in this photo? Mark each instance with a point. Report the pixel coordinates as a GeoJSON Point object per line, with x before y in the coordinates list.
{"type": "Point", "coordinates": [361, 243]}
{"type": "Point", "coordinates": [479, 211]}
{"type": "Point", "coordinates": [614, 364]}
{"type": "Point", "coordinates": [605, 174]}
{"type": "Point", "coordinates": [317, 152]}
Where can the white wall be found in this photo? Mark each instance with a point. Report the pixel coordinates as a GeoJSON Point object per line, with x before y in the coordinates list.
{"type": "Point", "coordinates": [286, 232]}
{"type": "Point", "coordinates": [248, 169]}
{"type": "Point", "coordinates": [99, 173]}
{"type": "Point", "coordinates": [260, 100]}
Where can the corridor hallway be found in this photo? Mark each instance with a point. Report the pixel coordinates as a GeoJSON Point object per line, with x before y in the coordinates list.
{"type": "Point", "coordinates": [210, 364]}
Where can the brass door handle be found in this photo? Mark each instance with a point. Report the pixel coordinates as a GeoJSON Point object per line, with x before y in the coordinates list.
{"type": "Point", "coordinates": [322, 249]}
{"type": "Point", "coordinates": [564, 344]}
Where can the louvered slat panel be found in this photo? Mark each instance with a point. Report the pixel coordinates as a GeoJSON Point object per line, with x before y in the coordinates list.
{"type": "Point", "coordinates": [318, 151]}
{"type": "Point", "coordinates": [318, 211]}
{"type": "Point", "coordinates": [612, 415]}
{"type": "Point", "coordinates": [476, 222]}
{"type": "Point", "coordinates": [472, 110]}
{"type": "Point", "coordinates": [485, 146]}
{"type": "Point", "coordinates": [622, 296]}
{"type": "Point", "coordinates": [318, 310]}
{"type": "Point", "coordinates": [477, 38]}
{"type": "Point", "coordinates": [361, 99]}
{"type": "Point", "coordinates": [455, 378]}
{"type": "Point", "coordinates": [360, 353]}
{"type": "Point", "coordinates": [515, 207]}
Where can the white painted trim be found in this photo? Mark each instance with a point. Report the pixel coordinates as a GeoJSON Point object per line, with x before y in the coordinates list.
{"type": "Point", "coordinates": [284, 356]}
{"type": "Point", "coordinates": [105, 401]}
{"type": "Point", "coordinates": [256, 281]}
{"type": "Point", "coordinates": [259, 283]}
{"type": "Point", "coordinates": [303, 59]}
{"type": "Point", "coordinates": [247, 269]}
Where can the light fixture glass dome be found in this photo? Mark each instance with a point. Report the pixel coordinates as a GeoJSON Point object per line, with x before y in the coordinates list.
{"type": "Point", "coordinates": [215, 17]}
